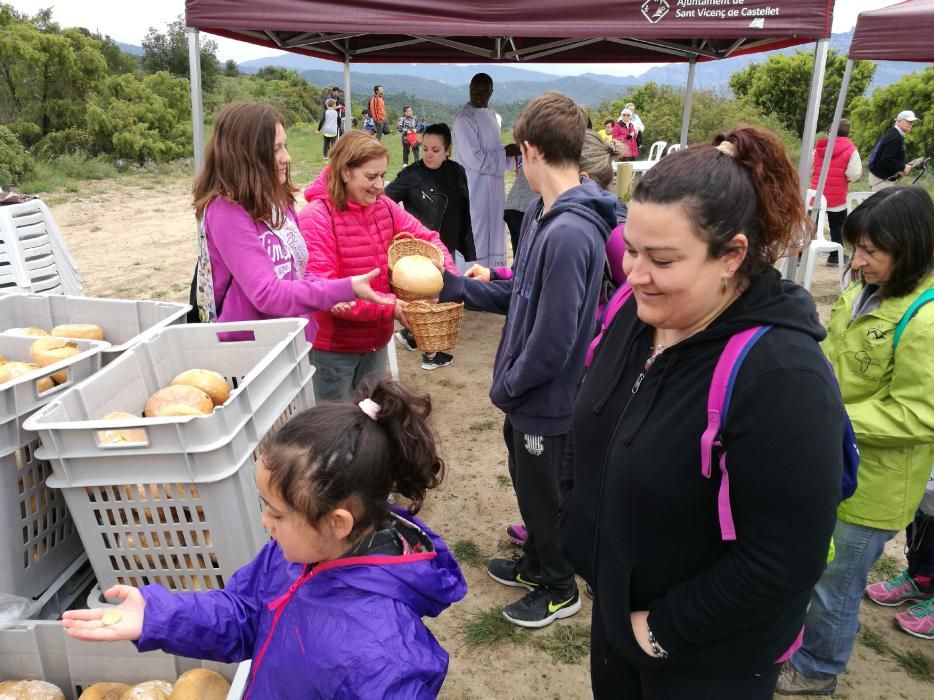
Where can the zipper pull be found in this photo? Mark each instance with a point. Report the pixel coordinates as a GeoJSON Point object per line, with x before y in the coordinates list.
{"type": "Point", "coordinates": [635, 387]}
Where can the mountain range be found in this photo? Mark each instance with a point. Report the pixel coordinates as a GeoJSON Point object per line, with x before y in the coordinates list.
{"type": "Point", "coordinates": [447, 83]}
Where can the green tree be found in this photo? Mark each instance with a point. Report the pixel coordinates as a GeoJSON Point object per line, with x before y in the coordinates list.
{"type": "Point", "coordinates": [780, 86]}
{"type": "Point", "coordinates": [169, 52]}
{"type": "Point", "coordinates": [872, 115]}
{"type": "Point", "coordinates": [230, 68]}
{"type": "Point", "coordinates": [16, 164]}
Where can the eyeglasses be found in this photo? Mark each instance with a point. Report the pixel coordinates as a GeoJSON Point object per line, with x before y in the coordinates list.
{"type": "Point", "coordinates": [626, 114]}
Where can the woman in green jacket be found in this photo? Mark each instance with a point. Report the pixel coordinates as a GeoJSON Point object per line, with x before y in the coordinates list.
{"type": "Point", "coordinates": [887, 382]}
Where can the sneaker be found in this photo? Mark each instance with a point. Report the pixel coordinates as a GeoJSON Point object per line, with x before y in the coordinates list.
{"type": "Point", "coordinates": [517, 534]}
{"type": "Point", "coordinates": [896, 591]}
{"type": "Point", "coordinates": [793, 682]}
{"type": "Point", "coordinates": [436, 361]}
{"type": "Point", "coordinates": [405, 339]}
{"type": "Point", "coordinates": [512, 572]}
{"type": "Point", "coordinates": [918, 620]}
{"type": "Point", "coordinates": [543, 606]}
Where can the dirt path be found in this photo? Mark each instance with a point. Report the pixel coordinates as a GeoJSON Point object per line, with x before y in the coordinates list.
{"type": "Point", "coordinates": [134, 239]}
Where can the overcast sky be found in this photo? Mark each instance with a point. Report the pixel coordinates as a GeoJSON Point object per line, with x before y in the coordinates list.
{"type": "Point", "coordinates": [129, 20]}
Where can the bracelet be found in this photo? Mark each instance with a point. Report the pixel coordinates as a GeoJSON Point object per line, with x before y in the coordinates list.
{"type": "Point", "coordinates": [656, 647]}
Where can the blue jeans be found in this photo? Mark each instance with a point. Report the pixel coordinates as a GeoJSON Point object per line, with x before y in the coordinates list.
{"type": "Point", "coordinates": [833, 617]}
{"type": "Point", "coordinates": [337, 374]}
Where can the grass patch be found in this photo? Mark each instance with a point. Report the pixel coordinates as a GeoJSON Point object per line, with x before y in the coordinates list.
{"type": "Point", "coordinates": [65, 172]}
{"type": "Point", "coordinates": [489, 627]}
{"type": "Point", "coordinates": [467, 552]}
{"type": "Point", "coordinates": [886, 567]}
{"type": "Point", "coordinates": [504, 481]}
{"type": "Point", "coordinates": [568, 644]}
{"type": "Point", "coordinates": [483, 426]}
{"type": "Point", "coordinates": [916, 664]}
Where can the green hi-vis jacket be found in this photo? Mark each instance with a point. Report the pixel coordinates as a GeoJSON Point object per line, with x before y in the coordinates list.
{"type": "Point", "coordinates": [889, 396]}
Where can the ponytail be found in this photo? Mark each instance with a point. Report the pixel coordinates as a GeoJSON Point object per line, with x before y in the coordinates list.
{"type": "Point", "coordinates": [743, 182]}
{"type": "Point", "coordinates": [354, 454]}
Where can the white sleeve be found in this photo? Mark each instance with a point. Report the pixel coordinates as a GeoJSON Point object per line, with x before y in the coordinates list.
{"type": "Point", "coordinates": [854, 167]}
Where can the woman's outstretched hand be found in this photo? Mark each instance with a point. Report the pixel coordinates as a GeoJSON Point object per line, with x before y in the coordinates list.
{"type": "Point", "coordinates": [363, 290]}
{"type": "Point", "coordinates": [113, 624]}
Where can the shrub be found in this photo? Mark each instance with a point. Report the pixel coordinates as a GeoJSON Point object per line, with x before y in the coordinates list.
{"type": "Point", "coordinates": [15, 162]}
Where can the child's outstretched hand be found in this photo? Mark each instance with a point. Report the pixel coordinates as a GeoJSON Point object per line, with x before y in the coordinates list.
{"type": "Point", "coordinates": [114, 624]}
{"type": "Point", "coordinates": [363, 290]}
{"type": "Point", "coordinates": [478, 272]}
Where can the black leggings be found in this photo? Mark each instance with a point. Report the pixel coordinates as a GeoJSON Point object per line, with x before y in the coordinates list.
{"type": "Point", "coordinates": [614, 678]}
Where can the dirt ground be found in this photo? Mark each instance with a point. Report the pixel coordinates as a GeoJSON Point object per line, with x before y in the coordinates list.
{"type": "Point", "coordinates": [134, 238]}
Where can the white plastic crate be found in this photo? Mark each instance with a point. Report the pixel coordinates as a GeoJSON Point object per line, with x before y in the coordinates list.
{"type": "Point", "coordinates": [40, 650]}
{"type": "Point", "coordinates": [180, 508]}
{"type": "Point", "coordinates": [124, 322]}
{"type": "Point", "coordinates": [18, 398]}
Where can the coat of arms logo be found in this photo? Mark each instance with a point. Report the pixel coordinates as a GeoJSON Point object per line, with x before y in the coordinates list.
{"type": "Point", "coordinates": [654, 10]}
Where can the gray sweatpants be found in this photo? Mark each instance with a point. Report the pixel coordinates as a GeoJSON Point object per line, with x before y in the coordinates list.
{"type": "Point", "coordinates": [337, 374]}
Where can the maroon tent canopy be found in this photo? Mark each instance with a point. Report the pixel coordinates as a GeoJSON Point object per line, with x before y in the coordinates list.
{"type": "Point", "coordinates": [902, 32]}
{"type": "Point", "coordinates": [618, 31]}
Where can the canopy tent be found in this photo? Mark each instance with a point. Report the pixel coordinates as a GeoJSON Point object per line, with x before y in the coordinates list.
{"type": "Point", "coordinates": [901, 32]}
{"type": "Point", "coordinates": [518, 31]}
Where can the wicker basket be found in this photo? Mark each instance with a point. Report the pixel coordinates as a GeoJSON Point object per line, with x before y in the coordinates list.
{"type": "Point", "coordinates": [405, 244]}
{"type": "Point", "coordinates": [435, 326]}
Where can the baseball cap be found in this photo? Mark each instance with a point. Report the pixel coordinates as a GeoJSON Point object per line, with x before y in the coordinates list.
{"type": "Point", "coordinates": [907, 115]}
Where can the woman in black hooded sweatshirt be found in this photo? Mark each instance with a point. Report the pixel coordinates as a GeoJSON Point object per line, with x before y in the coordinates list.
{"type": "Point", "coordinates": [680, 612]}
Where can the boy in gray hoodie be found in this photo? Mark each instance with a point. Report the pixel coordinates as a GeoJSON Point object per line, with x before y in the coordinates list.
{"type": "Point", "coordinates": [550, 306]}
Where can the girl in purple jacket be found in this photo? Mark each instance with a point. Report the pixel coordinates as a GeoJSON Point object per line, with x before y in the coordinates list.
{"type": "Point", "coordinates": [253, 262]}
{"type": "Point", "coordinates": [332, 606]}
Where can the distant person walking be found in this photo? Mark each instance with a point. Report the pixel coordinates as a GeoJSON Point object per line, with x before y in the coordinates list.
{"type": "Point", "coordinates": [845, 167]}
{"type": "Point", "coordinates": [636, 121]}
{"type": "Point", "coordinates": [479, 148]}
{"type": "Point", "coordinates": [329, 126]}
{"type": "Point", "coordinates": [335, 94]}
{"type": "Point", "coordinates": [377, 109]}
{"type": "Point", "coordinates": [887, 162]}
{"type": "Point", "coordinates": [410, 127]}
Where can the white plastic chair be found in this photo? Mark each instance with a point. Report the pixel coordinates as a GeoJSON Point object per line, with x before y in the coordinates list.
{"type": "Point", "coordinates": [34, 257]}
{"type": "Point", "coordinates": [673, 148]}
{"type": "Point", "coordinates": [393, 360]}
{"type": "Point", "coordinates": [820, 244]}
{"type": "Point", "coordinates": [657, 149]}
{"type": "Point", "coordinates": [854, 199]}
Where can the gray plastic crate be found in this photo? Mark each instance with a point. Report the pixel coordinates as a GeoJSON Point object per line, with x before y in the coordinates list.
{"type": "Point", "coordinates": [124, 322]}
{"type": "Point", "coordinates": [267, 372]}
{"type": "Point", "coordinates": [180, 509]}
{"type": "Point", "coordinates": [39, 538]}
{"type": "Point", "coordinates": [41, 650]}
{"type": "Point", "coordinates": [21, 396]}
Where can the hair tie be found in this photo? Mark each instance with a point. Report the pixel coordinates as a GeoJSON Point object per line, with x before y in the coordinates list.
{"type": "Point", "coordinates": [369, 407]}
{"type": "Point", "coordinates": [727, 148]}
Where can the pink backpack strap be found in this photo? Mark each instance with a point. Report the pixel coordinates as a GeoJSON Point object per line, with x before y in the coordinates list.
{"type": "Point", "coordinates": [718, 403]}
{"type": "Point", "coordinates": [612, 307]}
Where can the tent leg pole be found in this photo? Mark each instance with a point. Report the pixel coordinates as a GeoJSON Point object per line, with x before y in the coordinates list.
{"type": "Point", "coordinates": [348, 110]}
{"type": "Point", "coordinates": [832, 136]}
{"type": "Point", "coordinates": [688, 98]}
{"type": "Point", "coordinates": [197, 111]}
{"type": "Point", "coordinates": [810, 128]}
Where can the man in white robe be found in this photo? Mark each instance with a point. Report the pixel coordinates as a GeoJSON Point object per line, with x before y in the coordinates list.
{"type": "Point", "coordinates": [478, 147]}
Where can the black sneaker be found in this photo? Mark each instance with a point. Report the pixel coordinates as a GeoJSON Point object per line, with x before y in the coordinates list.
{"type": "Point", "coordinates": [832, 259]}
{"type": "Point", "coordinates": [512, 572]}
{"type": "Point", "coordinates": [436, 361]}
{"type": "Point", "coordinates": [405, 339]}
{"type": "Point", "coordinates": [541, 607]}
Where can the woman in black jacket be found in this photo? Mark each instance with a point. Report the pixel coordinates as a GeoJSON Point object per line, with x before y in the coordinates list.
{"type": "Point", "coordinates": [434, 191]}
{"type": "Point", "coordinates": [679, 611]}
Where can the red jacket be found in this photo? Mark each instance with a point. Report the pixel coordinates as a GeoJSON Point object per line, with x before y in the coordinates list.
{"type": "Point", "coordinates": [837, 185]}
{"type": "Point", "coordinates": [628, 135]}
{"type": "Point", "coordinates": [353, 242]}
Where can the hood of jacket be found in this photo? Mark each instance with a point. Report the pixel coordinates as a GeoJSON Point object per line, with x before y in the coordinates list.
{"type": "Point", "coordinates": [590, 202]}
{"type": "Point", "coordinates": [841, 146]}
{"type": "Point", "coordinates": [427, 579]}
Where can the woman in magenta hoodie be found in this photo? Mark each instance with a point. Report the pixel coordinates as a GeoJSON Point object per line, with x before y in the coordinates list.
{"type": "Point", "coordinates": [253, 261]}
{"type": "Point", "coordinates": [348, 226]}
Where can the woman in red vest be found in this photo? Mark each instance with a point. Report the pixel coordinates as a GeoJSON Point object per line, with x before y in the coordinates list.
{"type": "Point", "coordinates": [845, 167]}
